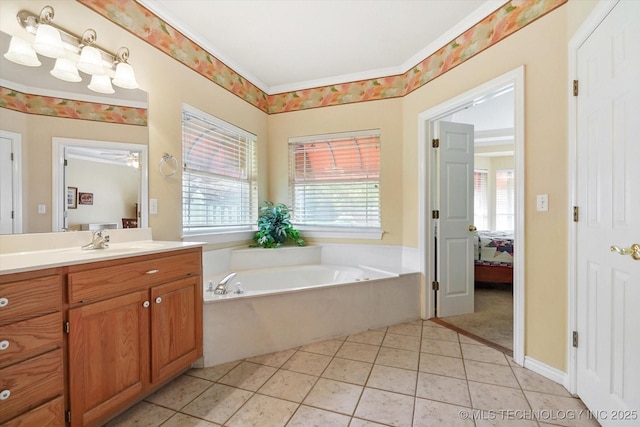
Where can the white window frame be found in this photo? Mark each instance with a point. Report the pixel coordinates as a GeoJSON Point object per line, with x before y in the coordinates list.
{"type": "Point", "coordinates": [231, 233]}
{"type": "Point", "coordinates": [317, 231]}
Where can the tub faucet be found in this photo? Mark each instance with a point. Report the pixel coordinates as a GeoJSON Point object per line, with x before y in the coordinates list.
{"type": "Point", "coordinates": [221, 289]}
{"type": "Point", "coordinates": [98, 241]}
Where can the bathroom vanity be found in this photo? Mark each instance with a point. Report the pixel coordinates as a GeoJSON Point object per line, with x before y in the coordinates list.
{"type": "Point", "coordinates": [86, 334]}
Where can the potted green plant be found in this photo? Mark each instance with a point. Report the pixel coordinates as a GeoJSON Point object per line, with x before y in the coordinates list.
{"type": "Point", "coordinates": [274, 226]}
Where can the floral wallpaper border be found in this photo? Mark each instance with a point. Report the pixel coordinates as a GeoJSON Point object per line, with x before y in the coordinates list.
{"type": "Point", "coordinates": [70, 108]}
{"type": "Point", "coordinates": [506, 20]}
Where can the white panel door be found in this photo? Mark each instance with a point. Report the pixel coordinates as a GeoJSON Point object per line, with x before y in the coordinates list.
{"type": "Point", "coordinates": [6, 186]}
{"type": "Point", "coordinates": [454, 238]}
{"type": "Point", "coordinates": [608, 189]}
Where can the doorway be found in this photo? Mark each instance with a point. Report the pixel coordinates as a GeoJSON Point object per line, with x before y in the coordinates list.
{"type": "Point", "coordinates": [510, 82]}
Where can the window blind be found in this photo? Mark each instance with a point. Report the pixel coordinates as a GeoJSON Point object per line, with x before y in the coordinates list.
{"type": "Point", "coordinates": [334, 180]}
{"type": "Point", "coordinates": [505, 195]}
{"type": "Point", "coordinates": [219, 189]}
{"type": "Point", "coordinates": [481, 200]}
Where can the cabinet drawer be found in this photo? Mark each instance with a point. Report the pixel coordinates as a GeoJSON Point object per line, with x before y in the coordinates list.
{"type": "Point", "coordinates": [30, 383]}
{"type": "Point", "coordinates": [51, 414]}
{"type": "Point", "coordinates": [23, 339]}
{"type": "Point", "coordinates": [30, 298]}
{"type": "Point", "coordinates": [99, 282]}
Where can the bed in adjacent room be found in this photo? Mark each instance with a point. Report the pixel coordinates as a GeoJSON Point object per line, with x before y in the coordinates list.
{"type": "Point", "coordinates": [493, 255]}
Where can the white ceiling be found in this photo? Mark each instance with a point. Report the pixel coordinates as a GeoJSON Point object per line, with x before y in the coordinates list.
{"type": "Point", "coordinates": [286, 45]}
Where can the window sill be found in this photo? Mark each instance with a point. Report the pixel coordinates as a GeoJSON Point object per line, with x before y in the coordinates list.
{"type": "Point", "coordinates": [224, 237]}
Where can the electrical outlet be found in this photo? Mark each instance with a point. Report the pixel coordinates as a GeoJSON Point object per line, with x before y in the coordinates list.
{"type": "Point", "coordinates": [542, 202]}
{"type": "Point", "coordinates": [153, 206]}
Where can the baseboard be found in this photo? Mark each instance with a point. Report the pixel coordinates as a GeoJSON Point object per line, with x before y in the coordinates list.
{"type": "Point", "coordinates": [547, 371]}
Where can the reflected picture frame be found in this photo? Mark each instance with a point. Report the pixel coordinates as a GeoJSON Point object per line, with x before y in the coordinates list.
{"type": "Point", "coordinates": [72, 197]}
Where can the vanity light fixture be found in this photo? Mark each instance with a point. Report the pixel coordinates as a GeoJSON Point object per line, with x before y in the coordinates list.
{"type": "Point", "coordinates": [73, 53]}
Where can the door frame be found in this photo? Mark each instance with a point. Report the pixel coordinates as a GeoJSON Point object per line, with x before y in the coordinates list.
{"type": "Point", "coordinates": [595, 18]}
{"type": "Point", "coordinates": [426, 195]}
{"type": "Point", "coordinates": [16, 172]}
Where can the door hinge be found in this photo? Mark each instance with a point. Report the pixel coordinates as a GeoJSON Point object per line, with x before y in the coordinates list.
{"type": "Point", "coordinates": [576, 214]}
{"type": "Point", "coordinates": [67, 327]}
{"type": "Point", "coordinates": [435, 285]}
{"type": "Point", "coordinates": [435, 143]}
{"type": "Point", "coordinates": [435, 214]}
{"type": "Point", "coordinates": [575, 88]}
{"type": "Point", "coordinates": [574, 339]}
{"type": "Point", "coordinates": [68, 416]}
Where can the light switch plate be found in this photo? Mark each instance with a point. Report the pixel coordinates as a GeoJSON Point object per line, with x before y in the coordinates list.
{"type": "Point", "coordinates": [542, 202]}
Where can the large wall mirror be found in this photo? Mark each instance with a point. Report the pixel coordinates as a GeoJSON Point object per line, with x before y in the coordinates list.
{"type": "Point", "coordinates": [105, 180]}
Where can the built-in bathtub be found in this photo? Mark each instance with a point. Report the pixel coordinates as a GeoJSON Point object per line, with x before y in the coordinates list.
{"type": "Point", "coordinates": [288, 306]}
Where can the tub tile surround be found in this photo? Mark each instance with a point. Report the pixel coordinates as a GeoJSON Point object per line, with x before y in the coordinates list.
{"type": "Point", "coordinates": [323, 385]}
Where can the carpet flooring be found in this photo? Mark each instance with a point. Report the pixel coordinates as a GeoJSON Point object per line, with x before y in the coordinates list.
{"type": "Point", "coordinates": [493, 316]}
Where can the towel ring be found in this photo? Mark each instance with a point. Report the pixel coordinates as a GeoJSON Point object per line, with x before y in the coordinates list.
{"type": "Point", "coordinates": [168, 165]}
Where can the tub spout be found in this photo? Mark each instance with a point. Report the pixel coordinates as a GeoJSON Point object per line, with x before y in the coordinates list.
{"type": "Point", "coordinates": [221, 289]}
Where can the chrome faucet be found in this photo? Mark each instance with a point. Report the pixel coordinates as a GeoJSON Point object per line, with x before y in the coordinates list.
{"type": "Point", "coordinates": [221, 289]}
{"type": "Point", "coordinates": [98, 241]}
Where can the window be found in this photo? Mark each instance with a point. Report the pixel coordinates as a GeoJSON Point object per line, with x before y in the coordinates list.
{"type": "Point", "coordinates": [219, 190]}
{"type": "Point", "coordinates": [334, 181]}
{"type": "Point", "coordinates": [481, 200]}
{"type": "Point", "coordinates": [505, 206]}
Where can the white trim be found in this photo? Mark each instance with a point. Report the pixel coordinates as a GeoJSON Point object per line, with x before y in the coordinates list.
{"type": "Point", "coordinates": [59, 193]}
{"type": "Point", "coordinates": [16, 172]}
{"type": "Point", "coordinates": [426, 195]}
{"type": "Point", "coordinates": [549, 372]}
{"type": "Point", "coordinates": [597, 15]}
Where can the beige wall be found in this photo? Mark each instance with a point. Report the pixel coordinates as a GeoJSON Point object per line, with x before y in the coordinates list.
{"type": "Point", "coordinates": [541, 48]}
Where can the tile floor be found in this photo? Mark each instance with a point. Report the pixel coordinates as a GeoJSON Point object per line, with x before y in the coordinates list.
{"type": "Point", "coordinates": [412, 374]}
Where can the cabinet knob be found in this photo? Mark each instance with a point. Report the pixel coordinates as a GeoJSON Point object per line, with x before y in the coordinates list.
{"type": "Point", "coordinates": [4, 394]}
{"type": "Point", "coordinates": [146, 304]}
{"type": "Point", "coordinates": [4, 344]}
{"type": "Point", "coordinates": [158, 300]}
{"type": "Point", "coordinates": [4, 302]}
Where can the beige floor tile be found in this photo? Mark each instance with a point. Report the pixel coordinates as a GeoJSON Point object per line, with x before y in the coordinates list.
{"type": "Point", "coordinates": [213, 373]}
{"type": "Point", "coordinates": [143, 414]}
{"type": "Point", "coordinates": [179, 392]}
{"type": "Point", "coordinates": [218, 403]}
{"type": "Point", "coordinates": [350, 371]}
{"type": "Point", "coordinates": [288, 385]}
{"type": "Point", "coordinates": [406, 329]}
{"type": "Point", "coordinates": [490, 373]}
{"type": "Point", "coordinates": [183, 420]}
{"type": "Point", "coordinates": [405, 342]}
{"type": "Point", "coordinates": [443, 389]}
{"type": "Point", "coordinates": [358, 351]}
{"type": "Point", "coordinates": [276, 359]}
{"type": "Point", "coordinates": [532, 381]}
{"type": "Point", "coordinates": [398, 358]}
{"type": "Point", "coordinates": [483, 353]}
{"type": "Point", "coordinates": [493, 398]}
{"type": "Point", "coordinates": [263, 411]}
{"type": "Point", "coordinates": [440, 334]}
{"type": "Point", "coordinates": [334, 396]}
{"type": "Point", "coordinates": [329, 347]}
{"type": "Point", "coordinates": [368, 337]}
{"type": "Point", "coordinates": [429, 413]}
{"type": "Point", "coordinates": [307, 363]}
{"type": "Point", "coordinates": [393, 379]}
{"type": "Point", "coordinates": [248, 376]}
{"type": "Point", "coordinates": [385, 407]}
{"type": "Point", "coordinates": [307, 416]}
{"type": "Point", "coordinates": [442, 365]}
{"type": "Point", "coordinates": [442, 348]}
{"type": "Point", "coordinates": [549, 405]}
{"type": "Point", "coordinates": [357, 422]}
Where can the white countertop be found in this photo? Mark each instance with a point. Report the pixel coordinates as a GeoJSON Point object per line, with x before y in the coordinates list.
{"type": "Point", "coordinates": [50, 255]}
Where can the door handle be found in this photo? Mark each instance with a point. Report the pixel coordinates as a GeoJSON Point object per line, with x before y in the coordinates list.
{"type": "Point", "coordinates": [634, 251]}
{"type": "Point", "coordinates": [472, 228]}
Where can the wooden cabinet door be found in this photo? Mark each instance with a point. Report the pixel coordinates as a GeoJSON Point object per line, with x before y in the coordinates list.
{"type": "Point", "coordinates": [108, 356]}
{"type": "Point", "coordinates": [176, 327]}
